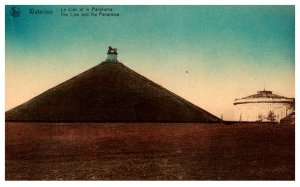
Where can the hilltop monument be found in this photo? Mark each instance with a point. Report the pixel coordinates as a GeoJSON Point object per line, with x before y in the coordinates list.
{"type": "Point", "coordinates": [112, 55]}
{"type": "Point", "coordinates": [109, 92]}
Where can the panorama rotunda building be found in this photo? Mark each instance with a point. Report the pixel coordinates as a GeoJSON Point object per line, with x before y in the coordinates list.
{"type": "Point", "coordinates": [263, 106]}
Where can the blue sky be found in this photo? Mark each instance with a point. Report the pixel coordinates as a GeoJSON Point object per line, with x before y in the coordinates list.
{"type": "Point", "coordinates": [228, 51]}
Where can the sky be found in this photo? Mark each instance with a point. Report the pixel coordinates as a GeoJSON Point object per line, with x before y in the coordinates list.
{"type": "Point", "coordinates": [209, 55]}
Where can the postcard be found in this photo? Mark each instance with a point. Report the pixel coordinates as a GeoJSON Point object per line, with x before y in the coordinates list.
{"type": "Point", "coordinates": [149, 92]}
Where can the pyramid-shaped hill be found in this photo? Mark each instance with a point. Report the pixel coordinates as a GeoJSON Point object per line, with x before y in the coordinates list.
{"type": "Point", "coordinates": [108, 92]}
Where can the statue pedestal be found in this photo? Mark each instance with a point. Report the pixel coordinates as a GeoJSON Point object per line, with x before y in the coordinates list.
{"type": "Point", "coordinates": [111, 58]}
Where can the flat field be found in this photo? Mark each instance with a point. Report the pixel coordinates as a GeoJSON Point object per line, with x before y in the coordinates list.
{"type": "Point", "coordinates": [62, 151]}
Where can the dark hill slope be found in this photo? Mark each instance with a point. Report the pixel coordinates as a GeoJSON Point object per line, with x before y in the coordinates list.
{"type": "Point", "coordinates": [108, 92]}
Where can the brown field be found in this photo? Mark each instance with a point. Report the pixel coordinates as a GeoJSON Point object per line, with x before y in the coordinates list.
{"type": "Point", "coordinates": [149, 152]}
